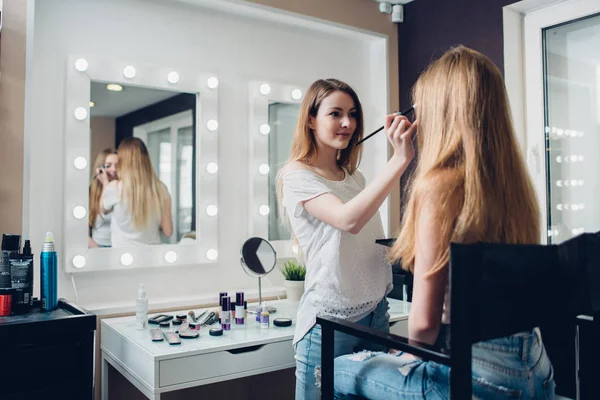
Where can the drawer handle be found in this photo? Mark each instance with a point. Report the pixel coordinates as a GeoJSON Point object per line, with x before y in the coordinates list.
{"type": "Point", "coordinates": [245, 349]}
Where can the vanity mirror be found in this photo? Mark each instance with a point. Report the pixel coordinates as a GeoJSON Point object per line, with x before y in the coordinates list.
{"type": "Point", "coordinates": [273, 117]}
{"type": "Point", "coordinates": [164, 124]}
{"type": "Point", "coordinates": [258, 258]}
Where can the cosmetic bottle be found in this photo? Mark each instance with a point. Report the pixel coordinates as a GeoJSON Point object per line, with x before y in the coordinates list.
{"type": "Point", "coordinates": [10, 248]}
{"type": "Point", "coordinates": [141, 309]}
{"type": "Point", "coordinates": [48, 274]}
{"type": "Point", "coordinates": [226, 313]}
{"type": "Point", "coordinates": [264, 316]}
{"type": "Point", "coordinates": [21, 271]}
{"type": "Point", "coordinates": [239, 308]}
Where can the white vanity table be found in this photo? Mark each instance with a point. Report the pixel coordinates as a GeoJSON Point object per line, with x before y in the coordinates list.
{"type": "Point", "coordinates": [157, 367]}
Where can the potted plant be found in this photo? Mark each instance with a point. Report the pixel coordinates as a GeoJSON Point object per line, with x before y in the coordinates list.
{"type": "Point", "coordinates": [294, 274]}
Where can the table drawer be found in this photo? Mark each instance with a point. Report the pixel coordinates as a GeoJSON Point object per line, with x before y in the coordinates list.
{"type": "Point", "coordinates": [210, 365]}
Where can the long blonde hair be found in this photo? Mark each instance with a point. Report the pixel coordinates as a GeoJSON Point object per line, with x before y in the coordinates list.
{"type": "Point", "coordinates": [142, 192]}
{"type": "Point", "coordinates": [96, 187]}
{"type": "Point", "coordinates": [466, 133]}
{"type": "Point", "coordinates": [304, 143]}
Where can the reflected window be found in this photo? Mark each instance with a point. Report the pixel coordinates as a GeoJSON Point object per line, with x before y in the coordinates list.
{"type": "Point", "coordinates": [283, 118]}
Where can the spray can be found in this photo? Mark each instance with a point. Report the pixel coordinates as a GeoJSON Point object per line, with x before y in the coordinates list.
{"type": "Point", "coordinates": [49, 274]}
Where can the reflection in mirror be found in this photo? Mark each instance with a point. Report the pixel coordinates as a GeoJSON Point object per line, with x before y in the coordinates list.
{"type": "Point", "coordinates": [282, 121]}
{"type": "Point", "coordinates": [258, 259]}
{"type": "Point", "coordinates": [142, 184]}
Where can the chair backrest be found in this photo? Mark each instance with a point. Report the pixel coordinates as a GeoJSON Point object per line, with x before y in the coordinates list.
{"type": "Point", "coordinates": [498, 289]}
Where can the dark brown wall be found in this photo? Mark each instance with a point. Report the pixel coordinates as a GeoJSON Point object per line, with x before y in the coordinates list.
{"type": "Point", "coordinates": [430, 27]}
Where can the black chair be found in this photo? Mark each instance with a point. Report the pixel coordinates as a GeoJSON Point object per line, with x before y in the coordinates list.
{"type": "Point", "coordinates": [496, 290]}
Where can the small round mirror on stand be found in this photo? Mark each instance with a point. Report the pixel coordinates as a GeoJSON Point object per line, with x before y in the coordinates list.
{"type": "Point", "coordinates": [258, 259]}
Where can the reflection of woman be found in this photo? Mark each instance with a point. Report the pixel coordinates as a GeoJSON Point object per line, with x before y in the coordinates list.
{"type": "Point", "coordinates": [99, 223]}
{"type": "Point", "coordinates": [139, 201]}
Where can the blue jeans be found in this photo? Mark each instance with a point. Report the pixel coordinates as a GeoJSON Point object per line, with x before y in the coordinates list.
{"type": "Point", "coordinates": [512, 367]}
{"type": "Point", "coordinates": [308, 351]}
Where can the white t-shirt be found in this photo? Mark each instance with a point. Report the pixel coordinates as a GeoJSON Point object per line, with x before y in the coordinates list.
{"type": "Point", "coordinates": [123, 233]}
{"type": "Point", "coordinates": [346, 275]}
{"type": "Point", "coordinates": [101, 229]}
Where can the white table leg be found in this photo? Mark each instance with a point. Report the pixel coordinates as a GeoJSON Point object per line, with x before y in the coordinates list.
{"type": "Point", "coordinates": [104, 378]}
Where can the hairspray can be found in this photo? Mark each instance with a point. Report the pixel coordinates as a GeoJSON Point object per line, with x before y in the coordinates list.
{"type": "Point", "coordinates": [49, 274]}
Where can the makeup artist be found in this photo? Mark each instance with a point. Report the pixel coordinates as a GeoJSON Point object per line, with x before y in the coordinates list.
{"type": "Point", "coordinates": [105, 170]}
{"type": "Point", "coordinates": [335, 220]}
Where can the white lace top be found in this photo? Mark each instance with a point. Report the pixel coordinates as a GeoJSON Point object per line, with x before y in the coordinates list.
{"type": "Point", "coordinates": [346, 274]}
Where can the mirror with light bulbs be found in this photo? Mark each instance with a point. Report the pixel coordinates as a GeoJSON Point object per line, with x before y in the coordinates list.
{"type": "Point", "coordinates": [164, 122]}
{"type": "Point", "coordinates": [274, 112]}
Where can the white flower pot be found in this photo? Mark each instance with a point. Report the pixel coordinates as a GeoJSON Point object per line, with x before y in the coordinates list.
{"type": "Point", "coordinates": [294, 290]}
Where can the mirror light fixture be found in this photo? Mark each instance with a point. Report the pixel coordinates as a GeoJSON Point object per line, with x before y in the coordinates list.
{"type": "Point", "coordinates": [80, 113]}
{"type": "Point", "coordinates": [263, 169]}
{"type": "Point", "coordinates": [264, 210]}
{"type": "Point", "coordinates": [170, 256]}
{"type": "Point", "coordinates": [81, 65]}
{"type": "Point", "coordinates": [212, 168]}
{"type": "Point", "coordinates": [212, 125]}
{"type": "Point", "coordinates": [212, 82]}
{"type": "Point", "coordinates": [80, 162]}
{"type": "Point", "coordinates": [126, 259]}
{"type": "Point", "coordinates": [296, 94]}
{"type": "Point", "coordinates": [265, 129]}
{"type": "Point", "coordinates": [173, 77]}
{"type": "Point", "coordinates": [212, 254]}
{"type": "Point", "coordinates": [92, 104]}
{"type": "Point", "coordinates": [265, 89]}
{"type": "Point", "coordinates": [212, 210]}
{"type": "Point", "coordinates": [79, 212]}
{"type": "Point", "coordinates": [129, 72]}
{"type": "Point", "coordinates": [78, 261]}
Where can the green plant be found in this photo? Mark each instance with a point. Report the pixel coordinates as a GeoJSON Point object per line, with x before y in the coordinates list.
{"type": "Point", "coordinates": [293, 271]}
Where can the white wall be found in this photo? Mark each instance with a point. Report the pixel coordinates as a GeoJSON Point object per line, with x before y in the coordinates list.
{"type": "Point", "coordinates": [238, 49]}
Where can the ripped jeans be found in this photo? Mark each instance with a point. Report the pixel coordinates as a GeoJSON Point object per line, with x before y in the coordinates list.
{"type": "Point", "coordinates": [513, 367]}
{"type": "Point", "coordinates": [308, 351]}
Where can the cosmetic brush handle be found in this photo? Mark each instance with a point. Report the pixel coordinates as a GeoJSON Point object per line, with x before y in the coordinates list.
{"type": "Point", "coordinates": [380, 129]}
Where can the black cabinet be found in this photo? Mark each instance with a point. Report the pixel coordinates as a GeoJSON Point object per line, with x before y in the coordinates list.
{"type": "Point", "coordinates": [47, 355]}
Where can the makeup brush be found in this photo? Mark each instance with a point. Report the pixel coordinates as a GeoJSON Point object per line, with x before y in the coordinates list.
{"type": "Point", "coordinates": [380, 129]}
{"type": "Point", "coordinates": [192, 315]}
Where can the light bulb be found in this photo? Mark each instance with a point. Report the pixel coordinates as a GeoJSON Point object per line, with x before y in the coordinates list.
{"type": "Point", "coordinates": [296, 94]}
{"type": "Point", "coordinates": [79, 212]}
{"type": "Point", "coordinates": [81, 64]}
{"type": "Point", "coordinates": [264, 210]}
{"type": "Point", "coordinates": [114, 87]}
{"type": "Point", "coordinates": [558, 159]}
{"type": "Point", "coordinates": [265, 129]}
{"type": "Point", "coordinates": [263, 169]}
{"type": "Point", "coordinates": [126, 259]}
{"type": "Point", "coordinates": [80, 162]}
{"type": "Point", "coordinates": [212, 125]}
{"type": "Point", "coordinates": [173, 77]}
{"type": "Point", "coordinates": [78, 261]}
{"type": "Point", "coordinates": [129, 72]}
{"type": "Point", "coordinates": [212, 210]}
{"type": "Point", "coordinates": [212, 168]}
{"type": "Point", "coordinates": [559, 207]}
{"type": "Point", "coordinates": [573, 158]}
{"type": "Point", "coordinates": [212, 254]}
{"type": "Point", "coordinates": [92, 104]}
{"type": "Point", "coordinates": [560, 132]}
{"type": "Point", "coordinates": [265, 89]}
{"type": "Point", "coordinates": [170, 256]}
{"type": "Point", "coordinates": [573, 182]}
{"type": "Point", "coordinates": [212, 82]}
{"type": "Point", "coordinates": [559, 183]}
{"type": "Point", "coordinates": [573, 133]}
{"type": "Point", "coordinates": [80, 113]}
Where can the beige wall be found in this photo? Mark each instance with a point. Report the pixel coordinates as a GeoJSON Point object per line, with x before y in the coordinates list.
{"type": "Point", "coordinates": [12, 110]}
{"type": "Point", "coordinates": [102, 135]}
{"type": "Point", "coordinates": [362, 14]}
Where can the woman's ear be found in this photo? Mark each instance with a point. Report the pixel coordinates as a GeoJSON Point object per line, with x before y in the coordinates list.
{"type": "Point", "coordinates": [311, 122]}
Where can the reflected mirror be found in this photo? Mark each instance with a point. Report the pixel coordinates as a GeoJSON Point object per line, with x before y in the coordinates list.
{"type": "Point", "coordinates": [142, 183]}
{"type": "Point", "coordinates": [283, 118]}
{"type": "Point", "coordinates": [258, 258]}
